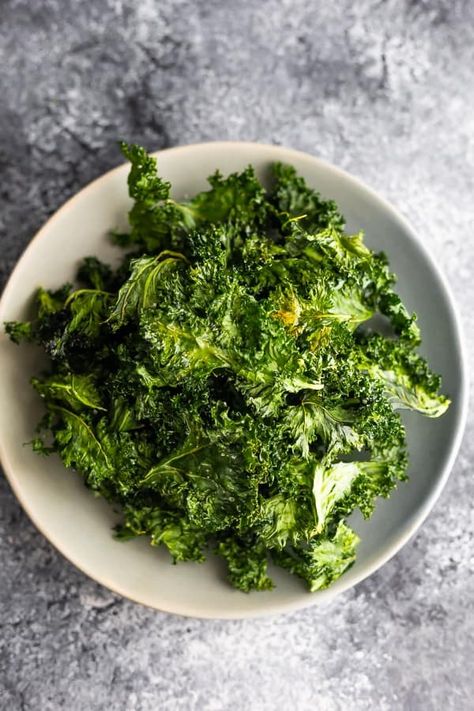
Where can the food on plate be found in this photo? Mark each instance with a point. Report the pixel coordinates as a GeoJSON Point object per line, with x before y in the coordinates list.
{"type": "Point", "coordinates": [227, 386]}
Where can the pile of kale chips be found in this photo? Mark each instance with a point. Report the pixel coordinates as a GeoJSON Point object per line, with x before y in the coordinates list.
{"type": "Point", "coordinates": [220, 385]}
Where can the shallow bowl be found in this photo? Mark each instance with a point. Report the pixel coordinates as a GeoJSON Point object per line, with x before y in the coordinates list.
{"type": "Point", "coordinates": [79, 525]}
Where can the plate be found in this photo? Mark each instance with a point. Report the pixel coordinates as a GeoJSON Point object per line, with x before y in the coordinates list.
{"type": "Point", "coordinates": [79, 525]}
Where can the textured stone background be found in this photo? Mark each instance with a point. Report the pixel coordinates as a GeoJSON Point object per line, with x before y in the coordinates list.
{"type": "Point", "coordinates": [381, 88]}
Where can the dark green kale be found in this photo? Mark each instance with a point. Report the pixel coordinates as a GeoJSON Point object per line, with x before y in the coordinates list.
{"type": "Point", "coordinates": [221, 386]}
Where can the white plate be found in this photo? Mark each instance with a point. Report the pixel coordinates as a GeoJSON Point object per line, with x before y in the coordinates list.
{"type": "Point", "coordinates": [79, 525]}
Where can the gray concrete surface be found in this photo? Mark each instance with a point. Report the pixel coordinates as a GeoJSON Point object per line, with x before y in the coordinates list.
{"type": "Point", "coordinates": [383, 89]}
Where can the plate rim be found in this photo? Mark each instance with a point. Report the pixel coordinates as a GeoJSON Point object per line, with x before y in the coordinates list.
{"type": "Point", "coordinates": [307, 599]}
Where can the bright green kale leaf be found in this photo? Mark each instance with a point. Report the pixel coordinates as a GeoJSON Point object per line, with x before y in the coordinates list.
{"type": "Point", "coordinates": [159, 222]}
{"type": "Point", "coordinates": [183, 541]}
{"type": "Point", "coordinates": [405, 377]}
{"type": "Point", "coordinates": [323, 560]}
{"type": "Point", "coordinates": [294, 200]}
{"type": "Point", "coordinates": [246, 562]}
{"type": "Point", "coordinates": [74, 391]}
{"type": "Point", "coordinates": [20, 331]}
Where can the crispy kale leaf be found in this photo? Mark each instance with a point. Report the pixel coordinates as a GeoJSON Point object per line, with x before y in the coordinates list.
{"type": "Point", "coordinates": [323, 560]}
{"type": "Point", "coordinates": [221, 386]}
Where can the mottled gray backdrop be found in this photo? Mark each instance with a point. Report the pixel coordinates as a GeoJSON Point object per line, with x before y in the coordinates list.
{"type": "Point", "coordinates": [381, 88]}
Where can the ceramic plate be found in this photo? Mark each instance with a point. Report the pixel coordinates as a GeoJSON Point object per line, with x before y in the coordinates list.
{"type": "Point", "coordinates": [79, 525]}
